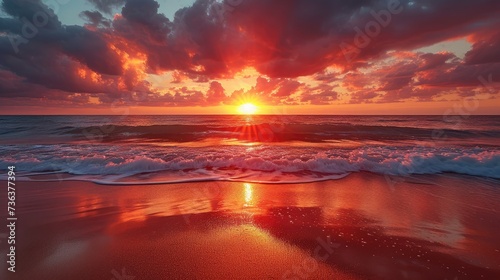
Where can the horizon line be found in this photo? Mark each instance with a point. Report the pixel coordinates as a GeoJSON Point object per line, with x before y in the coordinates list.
{"type": "Point", "coordinates": [243, 115]}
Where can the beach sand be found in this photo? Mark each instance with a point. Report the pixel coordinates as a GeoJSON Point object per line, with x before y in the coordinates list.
{"type": "Point", "coordinates": [364, 226]}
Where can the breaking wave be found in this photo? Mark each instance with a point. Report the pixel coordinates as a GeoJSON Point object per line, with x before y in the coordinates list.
{"type": "Point", "coordinates": [114, 164]}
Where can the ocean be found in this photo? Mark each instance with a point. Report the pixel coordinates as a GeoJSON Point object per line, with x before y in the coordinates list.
{"type": "Point", "coordinates": [260, 148]}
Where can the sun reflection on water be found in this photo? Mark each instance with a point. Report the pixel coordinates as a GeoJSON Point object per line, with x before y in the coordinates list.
{"type": "Point", "coordinates": [248, 194]}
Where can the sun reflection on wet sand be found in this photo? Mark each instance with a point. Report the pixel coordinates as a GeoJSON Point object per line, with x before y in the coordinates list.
{"type": "Point", "coordinates": [444, 229]}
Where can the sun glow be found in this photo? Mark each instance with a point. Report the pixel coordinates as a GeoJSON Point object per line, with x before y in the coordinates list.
{"type": "Point", "coordinates": [248, 194]}
{"type": "Point", "coordinates": [248, 109]}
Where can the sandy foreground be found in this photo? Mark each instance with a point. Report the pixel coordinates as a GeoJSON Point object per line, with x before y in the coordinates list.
{"type": "Point", "coordinates": [364, 226]}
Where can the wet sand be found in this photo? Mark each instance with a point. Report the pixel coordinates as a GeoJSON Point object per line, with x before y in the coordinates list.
{"type": "Point", "coordinates": [364, 226]}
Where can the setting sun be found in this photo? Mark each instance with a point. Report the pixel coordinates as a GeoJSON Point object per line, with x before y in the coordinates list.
{"type": "Point", "coordinates": [247, 109]}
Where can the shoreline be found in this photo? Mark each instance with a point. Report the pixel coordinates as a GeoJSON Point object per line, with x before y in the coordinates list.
{"type": "Point", "coordinates": [134, 180]}
{"type": "Point", "coordinates": [361, 226]}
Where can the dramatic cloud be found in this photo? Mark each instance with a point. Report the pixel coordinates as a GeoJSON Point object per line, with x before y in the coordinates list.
{"type": "Point", "coordinates": [486, 49]}
{"type": "Point", "coordinates": [95, 18]}
{"type": "Point", "coordinates": [106, 6]}
{"type": "Point", "coordinates": [314, 52]}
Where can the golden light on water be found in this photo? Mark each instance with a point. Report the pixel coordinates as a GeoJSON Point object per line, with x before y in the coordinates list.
{"type": "Point", "coordinates": [248, 194]}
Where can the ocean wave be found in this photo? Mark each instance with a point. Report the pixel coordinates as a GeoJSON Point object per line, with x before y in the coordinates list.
{"type": "Point", "coordinates": [272, 149]}
{"type": "Point", "coordinates": [262, 132]}
{"type": "Point", "coordinates": [264, 129]}
{"type": "Point", "coordinates": [106, 163]}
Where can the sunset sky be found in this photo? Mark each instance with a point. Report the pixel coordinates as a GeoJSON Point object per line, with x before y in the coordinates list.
{"type": "Point", "coordinates": [284, 56]}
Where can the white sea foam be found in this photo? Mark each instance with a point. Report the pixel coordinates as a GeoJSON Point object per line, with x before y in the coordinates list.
{"type": "Point", "coordinates": [151, 149]}
{"type": "Point", "coordinates": [262, 163]}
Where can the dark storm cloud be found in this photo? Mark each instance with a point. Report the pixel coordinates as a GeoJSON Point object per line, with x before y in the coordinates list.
{"type": "Point", "coordinates": [485, 49]}
{"type": "Point", "coordinates": [90, 48]}
{"type": "Point", "coordinates": [292, 38]}
{"type": "Point", "coordinates": [284, 38]}
{"type": "Point", "coordinates": [281, 39]}
{"type": "Point", "coordinates": [142, 11]}
{"type": "Point", "coordinates": [31, 10]}
{"type": "Point", "coordinates": [146, 29]}
{"type": "Point", "coordinates": [52, 53]}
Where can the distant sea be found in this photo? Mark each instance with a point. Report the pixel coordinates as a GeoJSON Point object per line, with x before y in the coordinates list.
{"type": "Point", "coordinates": [271, 149]}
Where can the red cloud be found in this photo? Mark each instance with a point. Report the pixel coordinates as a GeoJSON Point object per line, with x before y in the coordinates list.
{"type": "Point", "coordinates": [111, 58]}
